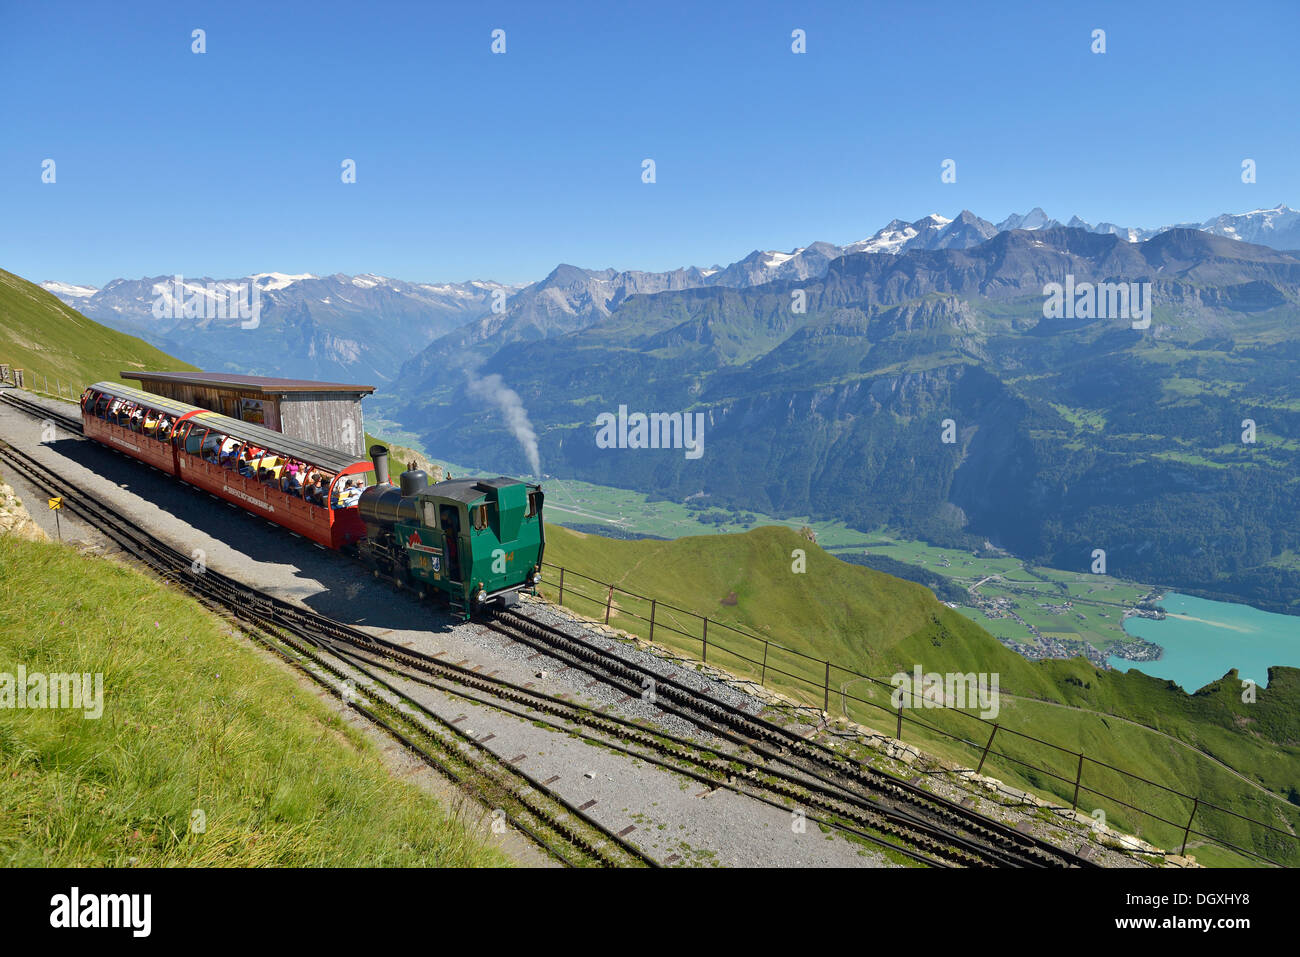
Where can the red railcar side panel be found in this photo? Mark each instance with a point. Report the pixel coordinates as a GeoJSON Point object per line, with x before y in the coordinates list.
{"type": "Point", "coordinates": [135, 444]}
{"type": "Point", "coordinates": [309, 521]}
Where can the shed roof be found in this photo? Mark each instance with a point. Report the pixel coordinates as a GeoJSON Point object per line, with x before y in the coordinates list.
{"type": "Point", "coordinates": [247, 383]}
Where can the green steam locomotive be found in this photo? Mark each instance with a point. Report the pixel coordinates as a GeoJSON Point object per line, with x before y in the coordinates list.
{"type": "Point", "coordinates": [468, 542]}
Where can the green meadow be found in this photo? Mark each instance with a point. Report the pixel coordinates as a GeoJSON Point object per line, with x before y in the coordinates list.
{"type": "Point", "coordinates": [206, 753]}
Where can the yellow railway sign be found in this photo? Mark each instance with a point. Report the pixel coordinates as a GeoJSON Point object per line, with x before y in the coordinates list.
{"type": "Point", "coordinates": [56, 503]}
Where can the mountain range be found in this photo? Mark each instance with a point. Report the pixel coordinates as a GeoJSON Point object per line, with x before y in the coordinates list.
{"type": "Point", "coordinates": [323, 326]}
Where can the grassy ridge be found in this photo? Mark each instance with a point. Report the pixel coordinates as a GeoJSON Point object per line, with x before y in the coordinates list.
{"type": "Point", "coordinates": [879, 625]}
{"type": "Point", "coordinates": [192, 721]}
{"type": "Point", "coordinates": [44, 337]}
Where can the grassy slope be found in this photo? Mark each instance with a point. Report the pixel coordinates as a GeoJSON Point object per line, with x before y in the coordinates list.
{"type": "Point", "coordinates": [44, 337]}
{"type": "Point", "coordinates": [877, 624]}
{"type": "Point", "coordinates": [192, 721]}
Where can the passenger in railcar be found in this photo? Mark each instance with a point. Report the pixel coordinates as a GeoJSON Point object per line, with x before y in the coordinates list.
{"type": "Point", "coordinates": [351, 493]}
{"type": "Point", "coordinates": [316, 489]}
{"type": "Point", "coordinates": [274, 470]}
{"type": "Point", "coordinates": [229, 448]}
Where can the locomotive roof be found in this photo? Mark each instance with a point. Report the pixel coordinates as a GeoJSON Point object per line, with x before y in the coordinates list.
{"type": "Point", "coordinates": [468, 490]}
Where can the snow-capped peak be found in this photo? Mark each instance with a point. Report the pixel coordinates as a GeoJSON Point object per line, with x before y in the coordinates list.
{"type": "Point", "coordinates": [68, 289]}
{"type": "Point", "coordinates": [894, 237]}
{"type": "Point", "coordinates": [775, 259]}
{"type": "Point", "coordinates": [277, 280]}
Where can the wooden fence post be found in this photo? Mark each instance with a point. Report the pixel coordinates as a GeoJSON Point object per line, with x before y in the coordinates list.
{"type": "Point", "coordinates": [609, 603]}
{"type": "Point", "coordinates": [653, 603]}
{"type": "Point", "coordinates": [762, 678]}
{"type": "Point", "coordinates": [826, 698]}
{"type": "Point", "coordinates": [980, 767]}
{"type": "Point", "coordinates": [899, 733]}
{"type": "Point", "coordinates": [704, 653]}
{"type": "Point", "coordinates": [560, 600]}
{"type": "Point", "coordinates": [1074, 805]}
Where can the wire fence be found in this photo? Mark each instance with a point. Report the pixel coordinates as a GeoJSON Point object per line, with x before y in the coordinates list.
{"type": "Point", "coordinates": [41, 384]}
{"type": "Point", "coordinates": [1118, 796]}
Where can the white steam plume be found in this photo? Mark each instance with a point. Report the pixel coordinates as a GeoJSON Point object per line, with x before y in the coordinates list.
{"type": "Point", "coordinates": [494, 390]}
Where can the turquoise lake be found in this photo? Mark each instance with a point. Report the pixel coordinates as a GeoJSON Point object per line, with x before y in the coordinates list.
{"type": "Point", "coordinates": [1203, 639]}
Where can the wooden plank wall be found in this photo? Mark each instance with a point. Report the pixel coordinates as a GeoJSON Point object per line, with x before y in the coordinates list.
{"type": "Point", "coordinates": [225, 401]}
{"type": "Point", "coordinates": [331, 419]}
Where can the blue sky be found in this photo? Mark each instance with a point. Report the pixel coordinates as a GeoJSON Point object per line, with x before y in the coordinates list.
{"type": "Point", "coordinates": [474, 165]}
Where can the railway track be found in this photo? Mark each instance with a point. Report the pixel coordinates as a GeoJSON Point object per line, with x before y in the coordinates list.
{"type": "Point", "coordinates": [755, 757]}
{"type": "Point", "coordinates": [832, 781]}
{"type": "Point", "coordinates": [711, 766]}
{"type": "Point", "coordinates": [69, 422]}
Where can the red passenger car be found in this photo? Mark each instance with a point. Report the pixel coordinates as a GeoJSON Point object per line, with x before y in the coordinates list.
{"type": "Point", "coordinates": [307, 488]}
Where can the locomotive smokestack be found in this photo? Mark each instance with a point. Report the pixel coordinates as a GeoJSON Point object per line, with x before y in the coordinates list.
{"type": "Point", "coordinates": [379, 455]}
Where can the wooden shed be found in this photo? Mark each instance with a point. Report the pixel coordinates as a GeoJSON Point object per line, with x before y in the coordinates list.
{"type": "Point", "coordinates": [326, 413]}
